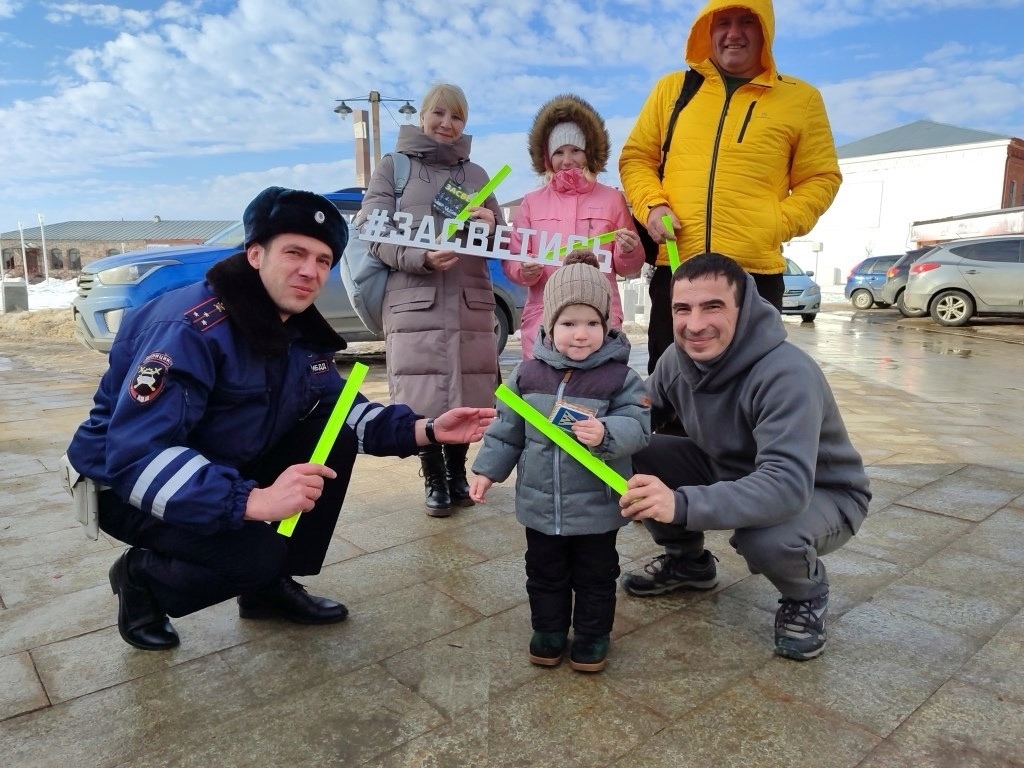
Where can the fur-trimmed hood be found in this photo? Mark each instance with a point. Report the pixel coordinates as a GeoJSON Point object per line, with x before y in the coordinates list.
{"type": "Point", "coordinates": [568, 108]}
{"type": "Point", "coordinates": [255, 317]}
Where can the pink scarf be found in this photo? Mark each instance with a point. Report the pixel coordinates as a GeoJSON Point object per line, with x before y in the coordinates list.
{"type": "Point", "coordinates": [572, 181]}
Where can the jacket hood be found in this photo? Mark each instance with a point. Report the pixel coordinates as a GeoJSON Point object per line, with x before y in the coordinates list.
{"type": "Point", "coordinates": [759, 330]}
{"type": "Point", "coordinates": [698, 44]}
{"type": "Point", "coordinates": [254, 316]}
{"type": "Point", "coordinates": [413, 141]}
{"type": "Point", "coordinates": [568, 108]}
{"type": "Point", "coordinates": [616, 349]}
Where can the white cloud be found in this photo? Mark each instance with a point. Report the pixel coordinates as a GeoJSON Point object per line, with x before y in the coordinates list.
{"type": "Point", "coordinates": [97, 14]}
{"type": "Point", "coordinates": [166, 87]}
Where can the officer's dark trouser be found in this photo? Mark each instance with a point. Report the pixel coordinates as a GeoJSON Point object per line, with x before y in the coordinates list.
{"type": "Point", "coordinates": [557, 567]}
{"type": "Point", "coordinates": [659, 326]}
{"type": "Point", "coordinates": [786, 553]}
{"type": "Point", "coordinates": [188, 571]}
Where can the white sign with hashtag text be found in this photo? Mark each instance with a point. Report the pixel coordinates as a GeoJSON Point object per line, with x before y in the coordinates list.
{"type": "Point", "coordinates": [397, 229]}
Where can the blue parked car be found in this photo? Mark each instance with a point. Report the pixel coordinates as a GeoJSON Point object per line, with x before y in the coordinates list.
{"type": "Point", "coordinates": [865, 281]}
{"type": "Point", "coordinates": [802, 295]}
{"type": "Point", "coordinates": [108, 287]}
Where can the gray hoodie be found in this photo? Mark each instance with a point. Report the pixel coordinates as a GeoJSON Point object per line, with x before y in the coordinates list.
{"type": "Point", "coordinates": [766, 417]}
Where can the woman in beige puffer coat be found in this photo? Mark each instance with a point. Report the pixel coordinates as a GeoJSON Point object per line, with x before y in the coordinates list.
{"type": "Point", "coordinates": [439, 306]}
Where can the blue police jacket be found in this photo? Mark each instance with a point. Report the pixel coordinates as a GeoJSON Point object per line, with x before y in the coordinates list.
{"type": "Point", "coordinates": [194, 393]}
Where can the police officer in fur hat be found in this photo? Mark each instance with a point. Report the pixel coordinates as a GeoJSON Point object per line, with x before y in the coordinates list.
{"type": "Point", "coordinates": [203, 425]}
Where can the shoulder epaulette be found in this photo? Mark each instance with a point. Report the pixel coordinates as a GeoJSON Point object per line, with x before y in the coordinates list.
{"type": "Point", "coordinates": [206, 315]}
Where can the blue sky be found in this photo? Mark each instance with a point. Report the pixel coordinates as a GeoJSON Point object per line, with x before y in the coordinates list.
{"type": "Point", "coordinates": [187, 109]}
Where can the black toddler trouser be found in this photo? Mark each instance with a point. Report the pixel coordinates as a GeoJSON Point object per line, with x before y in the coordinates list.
{"type": "Point", "coordinates": [188, 571]}
{"type": "Point", "coordinates": [558, 566]}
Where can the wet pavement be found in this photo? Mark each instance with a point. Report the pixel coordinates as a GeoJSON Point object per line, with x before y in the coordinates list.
{"type": "Point", "coordinates": [923, 665]}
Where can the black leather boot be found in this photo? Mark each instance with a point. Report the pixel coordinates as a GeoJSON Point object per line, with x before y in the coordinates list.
{"type": "Point", "coordinates": [455, 472]}
{"type": "Point", "coordinates": [140, 621]}
{"type": "Point", "coordinates": [439, 503]}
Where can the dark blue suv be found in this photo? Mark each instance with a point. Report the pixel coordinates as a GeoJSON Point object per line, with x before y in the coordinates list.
{"type": "Point", "coordinates": [108, 287]}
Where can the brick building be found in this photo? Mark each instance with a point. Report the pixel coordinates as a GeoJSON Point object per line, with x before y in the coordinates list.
{"type": "Point", "coordinates": [72, 244]}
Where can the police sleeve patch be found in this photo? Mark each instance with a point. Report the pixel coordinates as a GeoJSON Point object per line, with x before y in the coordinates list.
{"type": "Point", "coordinates": [149, 379]}
{"type": "Point", "coordinates": [319, 366]}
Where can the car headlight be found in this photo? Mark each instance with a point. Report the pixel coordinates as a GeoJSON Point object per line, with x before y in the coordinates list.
{"type": "Point", "coordinates": [130, 274]}
{"type": "Point", "coordinates": [814, 290]}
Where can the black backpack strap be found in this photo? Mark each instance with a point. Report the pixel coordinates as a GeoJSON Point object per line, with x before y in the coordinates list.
{"type": "Point", "coordinates": [692, 81]}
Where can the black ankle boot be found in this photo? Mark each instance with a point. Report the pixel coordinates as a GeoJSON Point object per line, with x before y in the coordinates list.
{"type": "Point", "coordinates": [140, 621]}
{"type": "Point", "coordinates": [455, 472]}
{"type": "Point", "coordinates": [439, 503]}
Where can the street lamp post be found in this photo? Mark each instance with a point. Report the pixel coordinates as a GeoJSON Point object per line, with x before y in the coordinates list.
{"type": "Point", "coordinates": [343, 110]}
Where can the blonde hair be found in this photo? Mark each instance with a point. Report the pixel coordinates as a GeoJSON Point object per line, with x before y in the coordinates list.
{"type": "Point", "coordinates": [588, 174]}
{"type": "Point", "coordinates": [448, 95]}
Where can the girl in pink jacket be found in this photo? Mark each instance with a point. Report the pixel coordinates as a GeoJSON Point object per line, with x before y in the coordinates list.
{"type": "Point", "coordinates": [569, 146]}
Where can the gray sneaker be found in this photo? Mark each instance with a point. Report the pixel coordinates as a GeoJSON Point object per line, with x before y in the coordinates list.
{"type": "Point", "coordinates": [800, 627]}
{"type": "Point", "coordinates": [667, 573]}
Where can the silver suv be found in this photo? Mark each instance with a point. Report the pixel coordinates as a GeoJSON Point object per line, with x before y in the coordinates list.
{"type": "Point", "coordinates": [958, 280]}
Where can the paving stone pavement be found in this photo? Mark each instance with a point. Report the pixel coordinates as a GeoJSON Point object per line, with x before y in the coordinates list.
{"type": "Point", "coordinates": [923, 665]}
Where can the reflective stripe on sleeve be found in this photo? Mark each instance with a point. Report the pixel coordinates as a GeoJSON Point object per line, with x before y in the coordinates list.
{"type": "Point", "coordinates": [156, 466]}
{"type": "Point", "coordinates": [361, 415]}
{"type": "Point", "coordinates": [173, 485]}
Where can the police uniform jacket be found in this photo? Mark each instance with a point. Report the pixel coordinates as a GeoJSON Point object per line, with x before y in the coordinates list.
{"type": "Point", "coordinates": [204, 380]}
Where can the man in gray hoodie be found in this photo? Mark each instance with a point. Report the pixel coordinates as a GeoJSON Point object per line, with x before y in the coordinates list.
{"type": "Point", "coordinates": [766, 454]}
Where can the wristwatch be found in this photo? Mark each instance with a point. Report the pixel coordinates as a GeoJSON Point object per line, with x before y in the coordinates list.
{"type": "Point", "coordinates": [429, 429]}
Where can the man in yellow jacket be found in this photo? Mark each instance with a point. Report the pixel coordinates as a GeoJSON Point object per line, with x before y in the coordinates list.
{"type": "Point", "coordinates": [751, 164]}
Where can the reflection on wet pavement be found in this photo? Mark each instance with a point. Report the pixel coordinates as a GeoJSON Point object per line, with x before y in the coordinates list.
{"type": "Point", "coordinates": [925, 634]}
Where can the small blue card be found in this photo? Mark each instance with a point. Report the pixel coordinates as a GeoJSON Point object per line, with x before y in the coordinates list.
{"type": "Point", "coordinates": [565, 415]}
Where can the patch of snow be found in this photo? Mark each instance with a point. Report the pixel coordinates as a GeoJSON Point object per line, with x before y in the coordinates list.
{"type": "Point", "coordinates": [50, 294]}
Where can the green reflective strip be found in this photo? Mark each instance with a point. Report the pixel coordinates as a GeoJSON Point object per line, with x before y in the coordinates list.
{"type": "Point", "coordinates": [562, 252]}
{"type": "Point", "coordinates": [562, 439]}
{"type": "Point", "coordinates": [331, 432]}
{"type": "Point", "coordinates": [671, 245]}
{"type": "Point", "coordinates": [480, 197]}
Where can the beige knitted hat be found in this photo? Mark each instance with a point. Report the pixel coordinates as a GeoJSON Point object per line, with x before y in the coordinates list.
{"type": "Point", "coordinates": [577, 281]}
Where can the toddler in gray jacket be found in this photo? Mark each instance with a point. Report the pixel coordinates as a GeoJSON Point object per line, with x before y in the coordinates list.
{"type": "Point", "coordinates": [580, 375]}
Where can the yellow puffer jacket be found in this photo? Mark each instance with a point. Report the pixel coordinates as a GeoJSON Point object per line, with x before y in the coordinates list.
{"type": "Point", "coordinates": [744, 174]}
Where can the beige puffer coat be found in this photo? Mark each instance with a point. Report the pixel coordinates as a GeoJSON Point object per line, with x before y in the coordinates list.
{"type": "Point", "coordinates": [441, 347]}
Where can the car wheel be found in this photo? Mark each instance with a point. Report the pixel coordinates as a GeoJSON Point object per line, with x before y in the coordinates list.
{"type": "Point", "coordinates": [906, 311]}
{"type": "Point", "coordinates": [809, 317]}
{"type": "Point", "coordinates": [501, 328]}
{"type": "Point", "coordinates": [862, 299]}
{"type": "Point", "coordinates": [952, 308]}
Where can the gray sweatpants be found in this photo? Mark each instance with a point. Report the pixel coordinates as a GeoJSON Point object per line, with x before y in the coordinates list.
{"type": "Point", "coordinates": [787, 553]}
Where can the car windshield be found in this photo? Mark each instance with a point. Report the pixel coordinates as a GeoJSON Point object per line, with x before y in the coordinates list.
{"type": "Point", "coordinates": [233, 235]}
{"type": "Point", "coordinates": [792, 268]}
